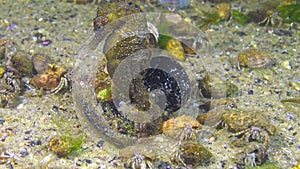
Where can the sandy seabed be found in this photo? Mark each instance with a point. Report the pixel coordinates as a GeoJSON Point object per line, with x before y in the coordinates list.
{"type": "Point", "coordinates": [27, 129]}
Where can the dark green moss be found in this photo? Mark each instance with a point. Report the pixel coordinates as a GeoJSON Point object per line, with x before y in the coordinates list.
{"type": "Point", "coordinates": [194, 154]}
{"type": "Point", "coordinates": [163, 41]}
{"type": "Point", "coordinates": [104, 94]}
{"type": "Point", "coordinates": [289, 13]}
{"type": "Point", "coordinates": [74, 141]}
{"type": "Point", "coordinates": [240, 17]}
{"type": "Point", "coordinates": [209, 19]}
{"type": "Point", "coordinates": [265, 166]}
{"type": "Point", "coordinates": [67, 142]}
{"type": "Point", "coordinates": [296, 100]}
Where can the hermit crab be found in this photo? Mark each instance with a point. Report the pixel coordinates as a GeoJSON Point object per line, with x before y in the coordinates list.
{"type": "Point", "coordinates": [249, 127]}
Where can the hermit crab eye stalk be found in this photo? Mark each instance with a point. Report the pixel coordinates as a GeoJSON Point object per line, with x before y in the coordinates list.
{"type": "Point", "coordinates": [139, 71]}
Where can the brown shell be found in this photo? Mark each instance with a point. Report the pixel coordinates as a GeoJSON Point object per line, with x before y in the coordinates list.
{"type": "Point", "coordinates": [59, 147]}
{"type": "Point", "coordinates": [21, 63]}
{"type": "Point", "coordinates": [211, 118]}
{"type": "Point", "coordinates": [45, 81]}
{"type": "Point", "coordinates": [224, 10]}
{"type": "Point", "coordinates": [50, 79]}
{"type": "Point", "coordinates": [171, 126]}
{"type": "Point", "coordinates": [253, 58]}
{"type": "Point", "coordinates": [2, 71]}
{"type": "Point", "coordinates": [218, 103]}
{"type": "Point", "coordinates": [194, 154]}
{"type": "Point", "coordinates": [40, 62]}
{"type": "Point", "coordinates": [102, 81]}
{"type": "Point", "coordinates": [241, 120]}
{"type": "Point", "coordinates": [4, 45]}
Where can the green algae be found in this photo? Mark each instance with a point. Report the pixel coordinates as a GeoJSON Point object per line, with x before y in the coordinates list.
{"type": "Point", "coordinates": [265, 166]}
{"type": "Point", "coordinates": [289, 13]}
{"type": "Point", "coordinates": [240, 17]}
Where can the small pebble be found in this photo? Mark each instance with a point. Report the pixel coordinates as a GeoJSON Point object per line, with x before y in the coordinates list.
{"type": "Point", "coordinates": [241, 33]}
{"type": "Point", "coordinates": [284, 51]}
{"type": "Point", "coordinates": [24, 153]}
{"type": "Point", "coordinates": [250, 92]}
{"type": "Point", "coordinates": [164, 165]}
{"type": "Point", "coordinates": [27, 138]}
{"type": "Point", "coordinates": [13, 26]}
{"type": "Point", "coordinates": [258, 81]}
{"type": "Point", "coordinates": [282, 41]}
{"type": "Point", "coordinates": [54, 108]}
{"type": "Point", "coordinates": [45, 42]}
{"type": "Point", "coordinates": [222, 164]}
{"type": "Point", "coordinates": [38, 142]}
{"type": "Point", "coordinates": [277, 91]}
{"type": "Point", "coordinates": [27, 132]}
{"type": "Point", "coordinates": [100, 144]}
{"type": "Point", "coordinates": [103, 166]}
{"type": "Point", "coordinates": [39, 36]}
{"type": "Point", "coordinates": [282, 32]}
{"type": "Point", "coordinates": [10, 166]}
{"type": "Point", "coordinates": [2, 121]}
{"type": "Point", "coordinates": [88, 161]}
{"type": "Point", "coordinates": [35, 142]}
{"type": "Point", "coordinates": [286, 64]}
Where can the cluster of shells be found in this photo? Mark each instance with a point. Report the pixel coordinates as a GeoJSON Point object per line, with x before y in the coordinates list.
{"type": "Point", "coordinates": [249, 130]}
{"type": "Point", "coordinates": [21, 72]}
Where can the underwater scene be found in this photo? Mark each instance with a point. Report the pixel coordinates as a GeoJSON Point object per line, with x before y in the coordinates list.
{"type": "Point", "coordinates": [150, 84]}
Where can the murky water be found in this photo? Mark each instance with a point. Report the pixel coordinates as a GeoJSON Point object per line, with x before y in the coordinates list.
{"type": "Point", "coordinates": [68, 27]}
